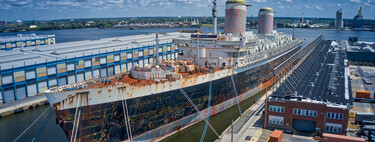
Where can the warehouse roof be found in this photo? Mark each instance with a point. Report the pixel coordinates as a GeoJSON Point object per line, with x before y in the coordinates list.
{"type": "Point", "coordinates": [47, 53]}
{"type": "Point", "coordinates": [23, 37]}
{"type": "Point", "coordinates": [361, 46]}
{"type": "Point", "coordinates": [323, 77]}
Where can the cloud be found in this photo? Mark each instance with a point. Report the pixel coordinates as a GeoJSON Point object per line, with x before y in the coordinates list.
{"type": "Point", "coordinates": [260, 1]}
{"type": "Point", "coordinates": [319, 8]}
{"type": "Point", "coordinates": [306, 6]}
{"type": "Point", "coordinates": [357, 1]}
{"type": "Point", "coordinates": [101, 4]}
{"type": "Point", "coordinates": [339, 5]}
{"type": "Point", "coordinates": [280, 7]}
{"type": "Point", "coordinates": [289, 0]}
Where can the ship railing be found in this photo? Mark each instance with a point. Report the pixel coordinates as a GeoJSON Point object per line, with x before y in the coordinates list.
{"type": "Point", "coordinates": [301, 52]}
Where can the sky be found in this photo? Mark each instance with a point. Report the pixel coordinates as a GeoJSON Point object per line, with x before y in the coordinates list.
{"type": "Point", "coordinates": [11, 10]}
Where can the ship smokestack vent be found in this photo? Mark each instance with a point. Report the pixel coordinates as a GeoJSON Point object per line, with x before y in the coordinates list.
{"type": "Point", "coordinates": [265, 15]}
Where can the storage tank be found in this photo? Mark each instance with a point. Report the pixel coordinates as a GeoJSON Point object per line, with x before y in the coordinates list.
{"type": "Point", "coordinates": [265, 16]}
{"type": "Point", "coordinates": [235, 17]}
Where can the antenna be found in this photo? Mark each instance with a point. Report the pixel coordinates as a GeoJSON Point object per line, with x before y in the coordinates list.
{"type": "Point", "coordinates": [214, 15]}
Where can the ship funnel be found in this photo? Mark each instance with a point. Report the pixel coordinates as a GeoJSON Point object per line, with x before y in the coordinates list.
{"type": "Point", "coordinates": [235, 17]}
{"type": "Point", "coordinates": [265, 16]}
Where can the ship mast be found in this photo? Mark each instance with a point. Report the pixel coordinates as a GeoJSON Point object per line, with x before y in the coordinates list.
{"type": "Point", "coordinates": [214, 15]}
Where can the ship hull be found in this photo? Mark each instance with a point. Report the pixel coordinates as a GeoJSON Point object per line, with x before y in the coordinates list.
{"type": "Point", "coordinates": [157, 116]}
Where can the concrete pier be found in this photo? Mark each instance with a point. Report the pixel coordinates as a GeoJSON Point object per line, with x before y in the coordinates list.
{"type": "Point", "coordinates": [22, 105]}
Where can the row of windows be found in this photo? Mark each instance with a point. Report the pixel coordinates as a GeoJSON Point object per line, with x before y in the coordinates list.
{"type": "Point", "coordinates": [305, 112]}
{"type": "Point", "coordinates": [277, 108]}
{"type": "Point", "coordinates": [332, 115]}
{"type": "Point", "coordinates": [27, 43]}
{"type": "Point", "coordinates": [277, 120]}
{"type": "Point", "coordinates": [334, 128]}
{"type": "Point", "coordinates": [23, 75]}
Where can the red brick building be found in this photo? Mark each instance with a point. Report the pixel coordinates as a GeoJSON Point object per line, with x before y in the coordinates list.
{"type": "Point", "coordinates": [295, 113]}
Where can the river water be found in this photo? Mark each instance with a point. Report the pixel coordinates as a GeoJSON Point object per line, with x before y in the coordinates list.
{"type": "Point", "coordinates": [12, 126]}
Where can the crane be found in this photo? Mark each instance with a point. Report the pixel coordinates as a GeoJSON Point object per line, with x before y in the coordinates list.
{"type": "Point", "coordinates": [358, 19]}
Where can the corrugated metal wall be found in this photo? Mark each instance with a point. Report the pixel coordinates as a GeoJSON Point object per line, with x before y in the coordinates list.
{"type": "Point", "coordinates": [96, 73]}
{"type": "Point", "coordinates": [103, 72]}
{"type": "Point", "coordinates": [42, 86]}
{"type": "Point", "coordinates": [80, 77]}
{"type": "Point", "coordinates": [21, 91]}
{"type": "Point", "coordinates": [31, 89]}
{"type": "Point", "coordinates": [1, 95]}
{"type": "Point", "coordinates": [52, 82]}
{"type": "Point", "coordinates": [8, 94]}
{"type": "Point", "coordinates": [88, 74]}
{"type": "Point", "coordinates": [62, 80]}
{"type": "Point", "coordinates": [71, 78]}
{"type": "Point", "coordinates": [30, 74]}
{"type": "Point", "coordinates": [111, 71]}
{"type": "Point", "coordinates": [7, 78]}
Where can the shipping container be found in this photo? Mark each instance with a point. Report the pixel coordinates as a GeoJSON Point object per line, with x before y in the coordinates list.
{"type": "Point", "coordinates": [360, 116]}
{"type": "Point", "coordinates": [340, 138]}
{"type": "Point", "coordinates": [276, 136]}
{"type": "Point", "coordinates": [362, 94]}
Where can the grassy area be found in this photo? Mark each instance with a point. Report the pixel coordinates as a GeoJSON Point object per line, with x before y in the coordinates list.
{"type": "Point", "coordinates": [206, 25]}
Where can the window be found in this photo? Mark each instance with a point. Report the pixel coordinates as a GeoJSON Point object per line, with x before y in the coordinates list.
{"type": "Point", "coordinates": [334, 128]}
{"type": "Point", "coordinates": [305, 112]}
{"type": "Point", "coordinates": [277, 120]}
{"type": "Point", "coordinates": [332, 115]}
{"type": "Point", "coordinates": [276, 108]}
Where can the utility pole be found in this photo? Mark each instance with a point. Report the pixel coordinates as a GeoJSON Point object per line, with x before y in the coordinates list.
{"type": "Point", "coordinates": [214, 15]}
{"type": "Point", "coordinates": [157, 48]}
{"type": "Point", "coordinates": [231, 134]}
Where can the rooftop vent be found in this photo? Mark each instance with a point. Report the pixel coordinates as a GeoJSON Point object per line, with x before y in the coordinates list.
{"type": "Point", "coordinates": [36, 49]}
{"type": "Point", "coordinates": [54, 52]}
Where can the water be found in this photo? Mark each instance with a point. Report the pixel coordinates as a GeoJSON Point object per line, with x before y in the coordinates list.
{"type": "Point", "coordinates": [12, 126]}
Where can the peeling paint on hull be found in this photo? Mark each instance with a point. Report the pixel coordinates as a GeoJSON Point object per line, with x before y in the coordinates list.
{"type": "Point", "coordinates": [155, 116]}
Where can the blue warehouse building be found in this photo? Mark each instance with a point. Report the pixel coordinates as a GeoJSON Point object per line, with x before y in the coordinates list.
{"type": "Point", "coordinates": [21, 40]}
{"type": "Point", "coordinates": [31, 71]}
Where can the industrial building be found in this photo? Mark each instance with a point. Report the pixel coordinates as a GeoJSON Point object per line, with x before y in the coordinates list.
{"type": "Point", "coordinates": [31, 71]}
{"type": "Point", "coordinates": [339, 22]}
{"type": "Point", "coordinates": [361, 53]}
{"type": "Point", "coordinates": [21, 40]}
{"type": "Point", "coordinates": [315, 97]}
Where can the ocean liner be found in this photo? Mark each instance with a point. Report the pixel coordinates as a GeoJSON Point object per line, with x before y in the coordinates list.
{"type": "Point", "coordinates": [155, 101]}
